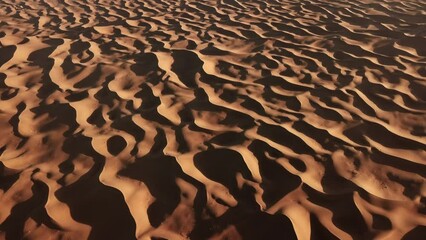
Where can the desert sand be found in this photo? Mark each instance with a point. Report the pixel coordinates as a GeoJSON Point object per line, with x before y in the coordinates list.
{"type": "Point", "coordinates": [202, 119]}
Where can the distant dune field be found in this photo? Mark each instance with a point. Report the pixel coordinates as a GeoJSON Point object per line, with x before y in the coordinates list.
{"type": "Point", "coordinates": [212, 119]}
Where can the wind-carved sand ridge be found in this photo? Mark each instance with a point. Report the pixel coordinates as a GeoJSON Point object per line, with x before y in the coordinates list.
{"type": "Point", "coordinates": [212, 119]}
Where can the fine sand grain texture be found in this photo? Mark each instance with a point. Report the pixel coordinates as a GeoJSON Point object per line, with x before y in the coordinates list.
{"type": "Point", "coordinates": [212, 119]}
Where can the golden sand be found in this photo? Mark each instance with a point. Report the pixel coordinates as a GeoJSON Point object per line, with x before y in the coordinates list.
{"type": "Point", "coordinates": [227, 119]}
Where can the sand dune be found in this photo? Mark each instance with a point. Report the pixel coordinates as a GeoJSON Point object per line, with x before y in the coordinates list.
{"type": "Point", "coordinates": [225, 119]}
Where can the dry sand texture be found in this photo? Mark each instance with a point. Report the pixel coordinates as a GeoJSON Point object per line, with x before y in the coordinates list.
{"type": "Point", "coordinates": [199, 119]}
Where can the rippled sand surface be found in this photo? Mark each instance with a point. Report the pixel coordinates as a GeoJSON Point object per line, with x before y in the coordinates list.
{"type": "Point", "coordinates": [162, 119]}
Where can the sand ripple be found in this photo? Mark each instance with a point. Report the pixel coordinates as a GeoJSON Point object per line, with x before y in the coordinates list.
{"type": "Point", "coordinates": [226, 119]}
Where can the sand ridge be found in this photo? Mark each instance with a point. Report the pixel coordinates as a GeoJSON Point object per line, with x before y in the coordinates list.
{"type": "Point", "coordinates": [224, 119]}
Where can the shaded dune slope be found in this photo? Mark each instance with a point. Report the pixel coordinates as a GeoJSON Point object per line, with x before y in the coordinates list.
{"type": "Point", "coordinates": [212, 119]}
